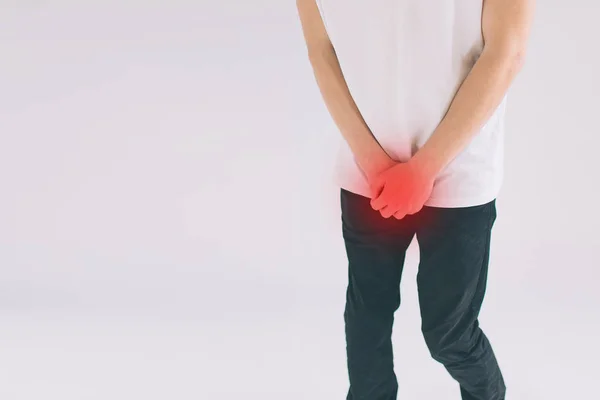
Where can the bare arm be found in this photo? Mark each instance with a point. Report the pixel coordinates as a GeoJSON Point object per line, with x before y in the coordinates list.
{"type": "Point", "coordinates": [505, 25]}
{"type": "Point", "coordinates": [369, 155]}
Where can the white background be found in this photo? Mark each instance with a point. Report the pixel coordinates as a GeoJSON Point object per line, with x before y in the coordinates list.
{"type": "Point", "coordinates": [169, 229]}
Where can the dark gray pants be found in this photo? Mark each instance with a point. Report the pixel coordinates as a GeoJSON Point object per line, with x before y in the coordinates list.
{"type": "Point", "coordinates": [454, 251]}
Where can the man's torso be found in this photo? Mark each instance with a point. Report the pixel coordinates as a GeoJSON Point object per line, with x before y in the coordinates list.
{"type": "Point", "coordinates": [403, 61]}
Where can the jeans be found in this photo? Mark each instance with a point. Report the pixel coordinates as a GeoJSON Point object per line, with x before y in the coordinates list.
{"type": "Point", "coordinates": [454, 248]}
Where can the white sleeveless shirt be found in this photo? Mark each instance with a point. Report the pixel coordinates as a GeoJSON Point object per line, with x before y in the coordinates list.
{"type": "Point", "coordinates": [403, 61]}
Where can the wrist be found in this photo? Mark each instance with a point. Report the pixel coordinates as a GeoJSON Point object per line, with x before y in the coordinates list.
{"type": "Point", "coordinates": [373, 166]}
{"type": "Point", "coordinates": [426, 164]}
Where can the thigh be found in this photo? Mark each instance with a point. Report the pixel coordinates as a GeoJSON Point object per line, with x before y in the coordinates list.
{"type": "Point", "coordinates": [376, 249]}
{"type": "Point", "coordinates": [454, 248]}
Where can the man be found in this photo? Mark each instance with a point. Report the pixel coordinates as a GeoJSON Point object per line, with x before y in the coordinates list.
{"type": "Point", "coordinates": [418, 90]}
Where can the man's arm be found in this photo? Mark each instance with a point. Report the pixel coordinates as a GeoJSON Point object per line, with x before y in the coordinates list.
{"type": "Point", "coordinates": [505, 25]}
{"type": "Point", "coordinates": [370, 156]}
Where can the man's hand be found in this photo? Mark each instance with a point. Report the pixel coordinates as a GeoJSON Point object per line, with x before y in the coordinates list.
{"type": "Point", "coordinates": [402, 189]}
{"type": "Point", "coordinates": [373, 168]}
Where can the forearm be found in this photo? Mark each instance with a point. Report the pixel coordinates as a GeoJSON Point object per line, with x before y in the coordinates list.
{"type": "Point", "coordinates": [368, 153]}
{"type": "Point", "coordinates": [474, 103]}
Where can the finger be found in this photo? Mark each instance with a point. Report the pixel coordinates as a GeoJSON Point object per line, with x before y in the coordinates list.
{"type": "Point", "coordinates": [391, 209]}
{"type": "Point", "coordinates": [377, 203]}
{"type": "Point", "coordinates": [377, 187]}
{"type": "Point", "coordinates": [399, 214]}
{"type": "Point", "coordinates": [414, 210]}
{"type": "Point", "coordinates": [387, 212]}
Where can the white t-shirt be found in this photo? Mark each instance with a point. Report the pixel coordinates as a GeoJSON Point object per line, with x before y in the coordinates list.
{"type": "Point", "coordinates": [403, 61]}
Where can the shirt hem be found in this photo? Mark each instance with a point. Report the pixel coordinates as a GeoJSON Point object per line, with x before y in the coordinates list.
{"type": "Point", "coordinates": [457, 202]}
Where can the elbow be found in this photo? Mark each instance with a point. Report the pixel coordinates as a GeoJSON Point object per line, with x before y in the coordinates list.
{"type": "Point", "coordinates": [516, 58]}
{"type": "Point", "coordinates": [323, 53]}
{"type": "Point", "coordinates": [511, 56]}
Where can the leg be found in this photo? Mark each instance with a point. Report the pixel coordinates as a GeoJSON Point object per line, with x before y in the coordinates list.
{"type": "Point", "coordinates": [454, 245]}
{"type": "Point", "coordinates": [376, 248]}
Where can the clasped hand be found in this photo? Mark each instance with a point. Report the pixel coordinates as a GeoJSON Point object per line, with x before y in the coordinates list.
{"type": "Point", "coordinates": [401, 190]}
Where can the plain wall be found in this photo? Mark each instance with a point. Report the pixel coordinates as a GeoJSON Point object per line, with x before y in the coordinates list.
{"type": "Point", "coordinates": [175, 158]}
